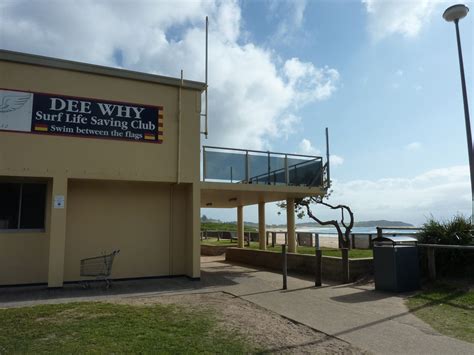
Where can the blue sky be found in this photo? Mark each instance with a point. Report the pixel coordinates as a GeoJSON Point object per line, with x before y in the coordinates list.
{"type": "Point", "coordinates": [382, 75]}
{"type": "Point", "coordinates": [393, 91]}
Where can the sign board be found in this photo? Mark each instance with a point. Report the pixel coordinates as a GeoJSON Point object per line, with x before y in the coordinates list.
{"type": "Point", "coordinates": [51, 114]}
{"type": "Point", "coordinates": [59, 201]}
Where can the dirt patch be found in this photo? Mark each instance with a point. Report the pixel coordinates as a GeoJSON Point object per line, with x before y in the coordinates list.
{"type": "Point", "coordinates": [264, 328]}
{"type": "Point", "coordinates": [70, 315]}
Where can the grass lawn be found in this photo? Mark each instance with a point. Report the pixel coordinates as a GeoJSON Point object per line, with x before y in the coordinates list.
{"type": "Point", "coordinates": [448, 309]}
{"type": "Point", "coordinates": [111, 328]}
{"type": "Point", "coordinates": [353, 253]}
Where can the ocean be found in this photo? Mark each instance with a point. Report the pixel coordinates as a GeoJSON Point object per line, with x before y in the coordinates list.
{"type": "Point", "coordinates": [331, 231]}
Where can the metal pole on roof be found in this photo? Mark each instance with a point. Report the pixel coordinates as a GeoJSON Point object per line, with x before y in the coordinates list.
{"type": "Point", "coordinates": [178, 172]}
{"type": "Point", "coordinates": [206, 71]}
{"type": "Point", "coordinates": [207, 45]}
{"type": "Point", "coordinates": [327, 158]}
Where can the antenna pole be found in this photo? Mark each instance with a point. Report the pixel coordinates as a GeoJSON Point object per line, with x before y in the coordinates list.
{"type": "Point", "coordinates": [178, 172]}
{"type": "Point", "coordinates": [207, 44]}
{"type": "Point", "coordinates": [327, 157]}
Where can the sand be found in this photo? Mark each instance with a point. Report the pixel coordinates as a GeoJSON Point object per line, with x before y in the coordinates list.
{"type": "Point", "coordinates": [325, 240]}
{"type": "Point", "coordinates": [261, 327]}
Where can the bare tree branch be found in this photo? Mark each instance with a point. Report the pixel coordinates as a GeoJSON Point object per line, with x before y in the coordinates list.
{"type": "Point", "coordinates": [344, 238]}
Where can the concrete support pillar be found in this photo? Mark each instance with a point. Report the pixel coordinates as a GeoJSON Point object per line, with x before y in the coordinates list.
{"type": "Point", "coordinates": [193, 222]}
{"type": "Point", "coordinates": [240, 226]}
{"type": "Point", "coordinates": [262, 237]}
{"type": "Point", "coordinates": [57, 232]}
{"type": "Point", "coordinates": [290, 223]}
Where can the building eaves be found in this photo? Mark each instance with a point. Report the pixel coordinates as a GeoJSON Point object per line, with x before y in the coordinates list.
{"type": "Point", "coordinates": [26, 58]}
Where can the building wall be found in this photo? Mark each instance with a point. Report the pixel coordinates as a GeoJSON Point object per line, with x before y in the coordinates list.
{"type": "Point", "coordinates": [87, 170]}
{"type": "Point", "coordinates": [40, 155]}
{"type": "Point", "coordinates": [133, 217]}
{"type": "Point", "coordinates": [146, 221]}
{"type": "Point", "coordinates": [24, 258]}
{"type": "Point", "coordinates": [24, 255]}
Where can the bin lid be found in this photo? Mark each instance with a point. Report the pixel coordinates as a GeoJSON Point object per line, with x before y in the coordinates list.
{"type": "Point", "coordinates": [398, 239]}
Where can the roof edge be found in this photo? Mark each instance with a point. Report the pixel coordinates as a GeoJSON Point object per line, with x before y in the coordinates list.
{"type": "Point", "coordinates": [34, 59]}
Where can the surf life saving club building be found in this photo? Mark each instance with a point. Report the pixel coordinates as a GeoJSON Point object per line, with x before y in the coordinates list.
{"type": "Point", "coordinates": [94, 159]}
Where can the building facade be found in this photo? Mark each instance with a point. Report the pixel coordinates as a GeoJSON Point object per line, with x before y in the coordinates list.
{"type": "Point", "coordinates": [95, 159]}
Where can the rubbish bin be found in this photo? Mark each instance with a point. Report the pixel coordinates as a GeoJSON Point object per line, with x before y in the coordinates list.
{"type": "Point", "coordinates": [396, 265]}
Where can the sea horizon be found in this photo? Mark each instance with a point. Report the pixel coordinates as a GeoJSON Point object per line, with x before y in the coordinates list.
{"type": "Point", "coordinates": [331, 231]}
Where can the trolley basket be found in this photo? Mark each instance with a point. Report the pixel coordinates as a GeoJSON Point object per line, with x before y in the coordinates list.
{"type": "Point", "coordinates": [99, 267]}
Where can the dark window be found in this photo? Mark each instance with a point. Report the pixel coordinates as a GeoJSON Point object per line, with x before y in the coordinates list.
{"type": "Point", "coordinates": [9, 205]}
{"type": "Point", "coordinates": [22, 206]}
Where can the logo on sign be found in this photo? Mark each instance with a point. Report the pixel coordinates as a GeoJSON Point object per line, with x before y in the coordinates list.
{"type": "Point", "coordinates": [15, 110]}
{"type": "Point", "coordinates": [13, 102]}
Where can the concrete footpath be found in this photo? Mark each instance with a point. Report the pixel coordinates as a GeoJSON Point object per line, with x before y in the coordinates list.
{"type": "Point", "coordinates": [375, 321]}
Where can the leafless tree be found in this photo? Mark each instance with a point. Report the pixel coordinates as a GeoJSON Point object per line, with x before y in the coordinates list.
{"type": "Point", "coordinates": [304, 206]}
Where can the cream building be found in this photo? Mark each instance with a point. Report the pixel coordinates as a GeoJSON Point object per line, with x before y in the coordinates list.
{"type": "Point", "coordinates": [94, 159]}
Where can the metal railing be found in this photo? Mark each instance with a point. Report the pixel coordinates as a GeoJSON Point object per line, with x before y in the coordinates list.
{"type": "Point", "coordinates": [259, 167]}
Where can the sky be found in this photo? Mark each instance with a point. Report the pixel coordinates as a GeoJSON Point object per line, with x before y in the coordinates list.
{"type": "Point", "coordinates": [383, 76]}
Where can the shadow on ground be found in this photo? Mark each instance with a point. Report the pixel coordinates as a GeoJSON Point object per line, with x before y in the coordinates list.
{"type": "Point", "coordinates": [364, 295]}
{"type": "Point", "coordinates": [218, 276]}
{"type": "Point", "coordinates": [213, 275]}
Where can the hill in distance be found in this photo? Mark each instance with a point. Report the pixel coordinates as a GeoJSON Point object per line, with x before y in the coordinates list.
{"type": "Point", "coordinates": [374, 223]}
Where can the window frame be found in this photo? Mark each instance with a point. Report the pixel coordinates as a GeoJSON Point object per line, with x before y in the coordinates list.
{"type": "Point", "coordinates": [19, 230]}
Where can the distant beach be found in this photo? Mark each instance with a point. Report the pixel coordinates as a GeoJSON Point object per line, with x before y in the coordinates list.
{"type": "Point", "coordinates": [325, 240]}
{"type": "Point", "coordinates": [328, 235]}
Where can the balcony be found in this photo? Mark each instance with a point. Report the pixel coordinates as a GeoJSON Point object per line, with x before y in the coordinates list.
{"type": "Point", "coordinates": [243, 166]}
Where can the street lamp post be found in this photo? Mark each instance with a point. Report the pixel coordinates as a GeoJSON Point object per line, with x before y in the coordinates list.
{"type": "Point", "coordinates": [454, 14]}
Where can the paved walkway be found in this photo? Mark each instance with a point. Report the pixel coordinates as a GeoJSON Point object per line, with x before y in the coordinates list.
{"type": "Point", "coordinates": [371, 320]}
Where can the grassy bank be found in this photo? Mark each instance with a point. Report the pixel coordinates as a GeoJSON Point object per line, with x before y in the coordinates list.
{"type": "Point", "coordinates": [354, 253]}
{"type": "Point", "coordinates": [447, 308]}
{"type": "Point", "coordinates": [111, 328]}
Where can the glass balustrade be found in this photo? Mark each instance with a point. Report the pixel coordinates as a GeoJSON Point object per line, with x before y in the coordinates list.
{"type": "Point", "coordinates": [258, 167]}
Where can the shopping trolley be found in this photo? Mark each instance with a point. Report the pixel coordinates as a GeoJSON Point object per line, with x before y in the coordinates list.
{"type": "Point", "coordinates": [99, 267]}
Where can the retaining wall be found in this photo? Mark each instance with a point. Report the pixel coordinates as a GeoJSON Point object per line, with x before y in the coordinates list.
{"type": "Point", "coordinates": [212, 250]}
{"type": "Point", "coordinates": [331, 266]}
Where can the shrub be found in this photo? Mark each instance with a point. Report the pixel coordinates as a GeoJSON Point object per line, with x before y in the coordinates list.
{"type": "Point", "coordinates": [456, 231]}
{"type": "Point", "coordinates": [451, 232]}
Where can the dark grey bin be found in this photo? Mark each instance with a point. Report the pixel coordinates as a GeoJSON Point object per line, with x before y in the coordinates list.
{"type": "Point", "coordinates": [396, 267]}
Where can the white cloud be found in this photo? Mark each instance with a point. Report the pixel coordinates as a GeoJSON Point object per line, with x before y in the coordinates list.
{"type": "Point", "coordinates": [413, 146]}
{"type": "Point", "coordinates": [399, 72]}
{"type": "Point", "coordinates": [299, 7]}
{"type": "Point", "coordinates": [290, 17]}
{"type": "Point", "coordinates": [404, 17]}
{"type": "Point", "coordinates": [289, 124]}
{"type": "Point", "coordinates": [309, 83]}
{"type": "Point", "coordinates": [252, 98]}
{"type": "Point", "coordinates": [441, 192]}
{"type": "Point", "coordinates": [306, 147]}
{"type": "Point", "coordinates": [336, 160]}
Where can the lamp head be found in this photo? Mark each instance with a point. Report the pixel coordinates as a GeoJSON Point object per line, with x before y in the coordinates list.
{"type": "Point", "coordinates": [455, 12]}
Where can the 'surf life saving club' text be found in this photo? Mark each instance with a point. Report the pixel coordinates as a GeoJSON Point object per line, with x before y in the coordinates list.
{"type": "Point", "coordinates": [78, 117]}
